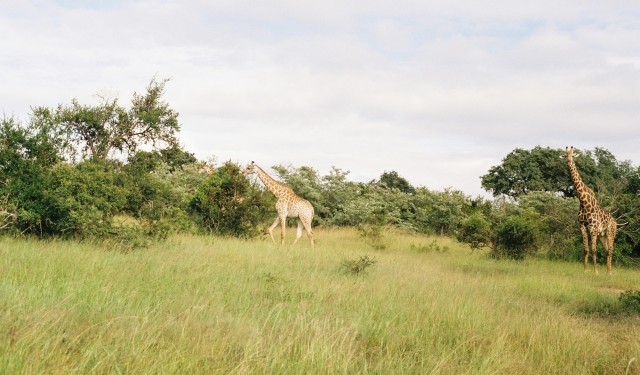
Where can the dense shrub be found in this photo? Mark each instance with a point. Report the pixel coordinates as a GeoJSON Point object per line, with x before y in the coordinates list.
{"type": "Point", "coordinates": [476, 231]}
{"type": "Point", "coordinates": [226, 203]}
{"type": "Point", "coordinates": [515, 237]}
{"type": "Point", "coordinates": [630, 301]}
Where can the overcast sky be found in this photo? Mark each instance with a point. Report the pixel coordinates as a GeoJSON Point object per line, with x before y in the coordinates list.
{"type": "Point", "coordinates": [438, 90]}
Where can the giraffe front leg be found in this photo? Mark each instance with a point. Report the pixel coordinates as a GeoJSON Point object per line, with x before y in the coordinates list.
{"type": "Point", "coordinates": [609, 249]}
{"type": "Point", "coordinates": [307, 227]}
{"type": "Point", "coordinates": [272, 227]}
{"type": "Point", "coordinates": [594, 249]}
{"type": "Point", "coordinates": [585, 242]}
{"type": "Point", "coordinates": [283, 228]}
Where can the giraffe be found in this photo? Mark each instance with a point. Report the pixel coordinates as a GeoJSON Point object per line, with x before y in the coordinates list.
{"type": "Point", "coordinates": [595, 221]}
{"type": "Point", "coordinates": [205, 168]}
{"type": "Point", "coordinates": [288, 205]}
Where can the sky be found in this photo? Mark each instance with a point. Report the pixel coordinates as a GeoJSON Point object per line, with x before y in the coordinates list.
{"type": "Point", "coordinates": [438, 91]}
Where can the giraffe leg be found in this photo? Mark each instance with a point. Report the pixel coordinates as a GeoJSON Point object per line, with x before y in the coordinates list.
{"type": "Point", "coordinates": [299, 232]}
{"type": "Point", "coordinates": [610, 239]}
{"type": "Point", "coordinates": [594, 249]}
{"type": "Point", "coordinates": [307, 227]}
{"type": "Point", "coordinates": [283, 228]}
{"type": "Point", "coordinates": [585, 242]}
{"type": "Point", "coordinates": [604, 240]}
{"type": "Point", "coordinates": [272, 227]}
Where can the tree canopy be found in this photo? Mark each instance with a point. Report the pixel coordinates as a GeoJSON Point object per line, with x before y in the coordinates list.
{"type": "Point", "coordinates": [102, 130]}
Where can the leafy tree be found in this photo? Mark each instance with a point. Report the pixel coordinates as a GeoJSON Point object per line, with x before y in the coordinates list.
{"type": "Point", "coordinates": [560, 235]}
{"type": "Point", "coordinates": [440, 212]}
{"type": "Point", "coordinates": [337, 194]}
{"type": "Point", "coordinates": [392, 180]}
{"type": "Point", "coordinates": [100, 131]}
{"type": "Point", "coordinates": [523, 171]}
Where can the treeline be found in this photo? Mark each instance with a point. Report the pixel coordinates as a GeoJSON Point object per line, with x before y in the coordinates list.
{"type": "Point", "coordinates": [119, 174]}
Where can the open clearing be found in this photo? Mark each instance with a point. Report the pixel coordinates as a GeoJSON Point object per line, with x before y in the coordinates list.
{"type": "Point", "coordinates": [203, 305]}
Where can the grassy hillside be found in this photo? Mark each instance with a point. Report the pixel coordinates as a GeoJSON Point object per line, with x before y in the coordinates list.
{"type": "Point", "coordinates": [201, 305]}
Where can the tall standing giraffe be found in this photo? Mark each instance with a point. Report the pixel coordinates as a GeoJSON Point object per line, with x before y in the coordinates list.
{"type": "Point", "coordinates": [595, 221]}
{"type": "Point", "coordinates": [288, 205]}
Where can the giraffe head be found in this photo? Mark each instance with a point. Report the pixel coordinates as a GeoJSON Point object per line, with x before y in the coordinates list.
{"type": "Point", "coordinates": [568, 153]}
{"type": "Point", "coordinates": [251, 168]}
{"type": "Point", "coordinates": [205, 168]}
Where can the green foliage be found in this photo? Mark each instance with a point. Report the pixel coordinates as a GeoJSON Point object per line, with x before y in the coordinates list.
{"type": "Point", "coordinates": [358, 266]}
{"type": "Point", "coordinates": [476, 231]}
{"type": "Point", "coordinates": [392, 180]}
{"type": "Point", "coordinates": [515, 237]}
{"type": "Point", "coordinates": [26, 158]}
{"type": "Point", "coordinates": [440, 212]}
{"type": "Point", "coordinates": [630, 301]}
{"type": "Point", "coordinates": [227, 204]}
{"type": "Point", "coordinates": [100, 131]}
{"type": "Point", "coordinates": [372, 235]}
{"type": "Point", "coordinates": [84, 199]}
{"type": "Point", "coordinates": [559, 231]}
{"type": "Point", "coordinates": [523, 171]}
{"type": "Point", "coordinates": [430, 247]}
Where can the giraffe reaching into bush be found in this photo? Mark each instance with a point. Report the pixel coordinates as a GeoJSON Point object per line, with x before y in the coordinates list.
{"type": "Point", "coordinates": [288, 205]}
{"type": "Point", "coordinates": [206, 168]}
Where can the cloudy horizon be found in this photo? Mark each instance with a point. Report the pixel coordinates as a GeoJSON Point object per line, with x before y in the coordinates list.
{"type": "Point", "coordinates": [438, 92]}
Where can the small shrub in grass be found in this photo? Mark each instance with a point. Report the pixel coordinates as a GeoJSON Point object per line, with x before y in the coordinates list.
{"type": "Point", "coordinates": [127, 239]}
{"type": "Point", "coordinates": [357, 267]}
{"type": "Point", "coordinates": [630, 301]}
{"type": "Point", "coordinates": [372, 234]}
{"type": "Point", "coordinates": [431, 247]}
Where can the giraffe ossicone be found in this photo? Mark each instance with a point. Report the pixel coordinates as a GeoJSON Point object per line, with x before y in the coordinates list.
{"type": "Point", "coordinates": [288, 205]}
{"type": "Point", "coordinates": [596, 223]}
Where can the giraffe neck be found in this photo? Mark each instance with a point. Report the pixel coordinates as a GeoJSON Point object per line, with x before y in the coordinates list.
{"type": "Point", "coordinates": [277, 188]}
{"type": "Point", "coordinates": [584, 193]}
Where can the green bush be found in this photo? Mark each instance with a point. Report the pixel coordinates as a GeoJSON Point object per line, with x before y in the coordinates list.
{"type": "Point", "coordinates": [630, 301]}
{"type": "Point", "coordinates": [227, 204]}
{"type": "Point", "coordinates": [515, 237]}
{"type": "Point", "coordinates": [359, 266]}
{"type": "Point", "coordinates": [476, 231]}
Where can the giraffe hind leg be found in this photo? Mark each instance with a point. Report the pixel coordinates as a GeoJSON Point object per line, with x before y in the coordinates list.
{"type": "Point", "coordinates": [272, 227]}
{"type": "Point", "coordinates": [299, 231]}
{"type": "Point", "coordinates": [283, 228]}
{"type": "Point", "coordinates": [307, 227]}
{"type": "Point", "coordinates": [608, 247]}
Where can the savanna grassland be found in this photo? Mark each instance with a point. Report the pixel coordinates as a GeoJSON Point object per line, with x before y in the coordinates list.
{"type": "Point", "coordinates": [209, 305]}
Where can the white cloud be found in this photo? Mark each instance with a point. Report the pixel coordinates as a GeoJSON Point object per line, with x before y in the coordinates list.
{"type": "Point", "coordinates": [437, 90]}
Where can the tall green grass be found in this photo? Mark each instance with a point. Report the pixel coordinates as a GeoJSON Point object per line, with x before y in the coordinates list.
{"type": "Point", "coordinates": [202, 305]}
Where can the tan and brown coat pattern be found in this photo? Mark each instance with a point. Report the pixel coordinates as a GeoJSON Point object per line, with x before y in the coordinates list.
{"type": "Point", "coordinates": [595, 222]}
{"type": "Point", "coordinates": [288, 205]}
